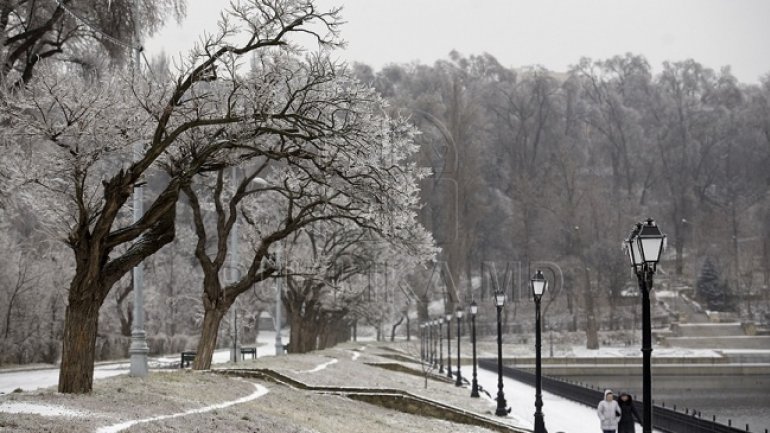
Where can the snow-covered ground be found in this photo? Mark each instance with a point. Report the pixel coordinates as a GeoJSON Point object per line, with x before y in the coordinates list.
{"type": "Point", "coordinates": [115, 428]}
{"type": "Point", "coordinates": [560, 414]}
{"type": "Point", "coordinates": [38, 409]}
{"type": "Point", "coordinates": [42, 378]}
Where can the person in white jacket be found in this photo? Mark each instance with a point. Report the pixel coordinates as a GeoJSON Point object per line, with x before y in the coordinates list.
{"type": "Point", "coordinates": [609, 412]}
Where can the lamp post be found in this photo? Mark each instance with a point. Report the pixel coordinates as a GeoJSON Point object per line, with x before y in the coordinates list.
{"type": "Point", "coordinates": [449, 345]}
{"type": "Point", "coordinates": [278, 291]}
{"type": "Point", "coordinates": [644, 247]}
{"type": "Point", "coordinates": [459, 314]}
{"type": "Point", "coordinates": [434, 324]}
{"type": "Point", "coordinates": [474, 382]}
{"type": "Point", "coordinates": [139, 349]}
{"type": "Point", "coordinates": [440, 321]}
{"type": "Point", "coordinates": [550, 340]}
{"type": "Point", "coordinates": [429, 342]}
{"type": "Point", "coordinates": [233, 274]}
{"type": "Point", "coordinates": [426, 333]}
{"type": "Point", "coordinates": [501, 405]}
{"type": "Point", "coordinates": [422, 343]}
{"type": "Point", "coordinates": [539, 285]}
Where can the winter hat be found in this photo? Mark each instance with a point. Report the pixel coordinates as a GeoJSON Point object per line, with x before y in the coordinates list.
{"type": "Point", "coordinates": [607, 391]}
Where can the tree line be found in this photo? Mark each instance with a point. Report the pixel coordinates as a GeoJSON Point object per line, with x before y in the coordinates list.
{"type": "Point", "coordinates": [536, 165]}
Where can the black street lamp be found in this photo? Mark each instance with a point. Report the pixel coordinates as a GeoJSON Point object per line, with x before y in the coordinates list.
{"type": "Point", "coordinates": [429, 341]}
{"type": "Point", "coordinates": [644, 247]}
{"type": "Point", "coordinates": [449, 345]}
{"type": "Point", "coordinates": [425, 343]}
{"type": "Point", "coordinates": [474, 383]}
{"type": "Point", "coordinates": [422, 343]}
{"type": "Point", "coordinates": [459, 314]}
{"type": "Point", "coordinates": [501, 410]}
{"type": "Point", "coordinates": [539, 286]}
{"type": "Point", "coordinates": [440, 320]}
{"type": "Point", "coordinates": [550, 340]}
{"type": "Point", "coordinates": [433, 359]}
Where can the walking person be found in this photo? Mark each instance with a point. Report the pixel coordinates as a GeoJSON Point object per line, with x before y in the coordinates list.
{"type": "Point", "coordinates": [628, 414]}
{"type": "Point", "coordinates": [608, 412]}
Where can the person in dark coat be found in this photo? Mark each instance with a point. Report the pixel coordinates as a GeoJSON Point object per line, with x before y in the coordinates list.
{"type": "Point", "coordinates": [627, 414]}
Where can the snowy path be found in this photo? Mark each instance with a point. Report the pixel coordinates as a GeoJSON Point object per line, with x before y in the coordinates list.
{"type": "Point", "coordinates": [29, 380]}
{"type": "Point", "coordinates": [34, 379]}
{"type": "Point", "coordinates": [561, 415]}
{"type": "Point", "coordinates": [320, 367]}
{"type": "Point", "coordinates": [260, 391]}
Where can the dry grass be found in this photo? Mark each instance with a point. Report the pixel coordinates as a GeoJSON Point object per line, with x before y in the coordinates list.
{"type": "Point", "coordinates": [283, 409]}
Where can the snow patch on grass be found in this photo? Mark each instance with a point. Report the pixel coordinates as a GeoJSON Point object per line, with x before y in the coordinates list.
{"type": "Point", "coordinates": [260, 391]}
{"type": "Point", "coordinates": [38, 409]}
{"type": "Point", "coordinates": [320, 366]}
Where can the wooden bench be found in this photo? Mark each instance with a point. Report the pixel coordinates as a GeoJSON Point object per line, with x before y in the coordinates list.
{"type": "Point", "coordinates": [249, 350]}
{"type": "Point", "coordinates": [187, 357]}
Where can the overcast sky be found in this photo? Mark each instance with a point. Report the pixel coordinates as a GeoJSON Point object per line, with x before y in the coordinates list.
{"type": "Point", "coordinates": [551, 33]}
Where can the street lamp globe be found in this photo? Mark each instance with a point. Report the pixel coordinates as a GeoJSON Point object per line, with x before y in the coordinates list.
{"type": "Point", "coordinates": [499, 298]}
{"type": "Point", "coordinates": [632, 247]}
{"type": "Point", "coordinates": [449, 317]}
{"type": "Point", "coordinates": [539, 285]}
{"type": "Point", "coordinates": [459, 312]}
{"type": "Point", "coordinates": [474, 308]}
{"type": "Point", "coordinates": [650, 242]}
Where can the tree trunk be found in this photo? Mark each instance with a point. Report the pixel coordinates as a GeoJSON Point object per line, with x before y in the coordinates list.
{"type": "Point", "coordinates": [126, 317]}
{"type": "Point", "coordinates": [294, 332]}
{"type": "Point", "coordinates": [394, 327]}
{"type": "Point", "coordinates": [208, 340]}
{"type": "Point", "coordinates": [79, 344]}
{"type": "Point", "coordinates": [304, 333]}
{"type": "Point", "coordinates": [311, 331]}
{"type": "Point", "coordinates": [323, 329]}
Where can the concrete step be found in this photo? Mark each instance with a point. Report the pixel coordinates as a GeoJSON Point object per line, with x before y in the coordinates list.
{"type": "Point", "coordinates": [732, 342]}
{"type": "Point", "coordinates": [748, 357]}
{"type": "Point", "coordinates": [708, 329]}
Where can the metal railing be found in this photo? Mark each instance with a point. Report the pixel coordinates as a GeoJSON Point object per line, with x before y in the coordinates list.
{"type": "Point", "coordinates": [664, 419]}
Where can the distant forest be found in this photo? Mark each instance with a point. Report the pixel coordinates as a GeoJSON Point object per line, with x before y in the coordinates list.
{"type": "Point", "coordinates": [534, 165]}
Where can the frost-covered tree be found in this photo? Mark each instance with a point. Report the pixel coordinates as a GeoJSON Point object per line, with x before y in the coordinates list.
{"type": "Point", "coordinates": [31, 297]}
{"type": "Point", "coordinates": [69, 141]}
{"type": "Point", "coordinates": [348, 163]}
{"type": "Point", "coordinates": [339, 273]}
{"type": "Point", "coordinates": [81, 33]}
